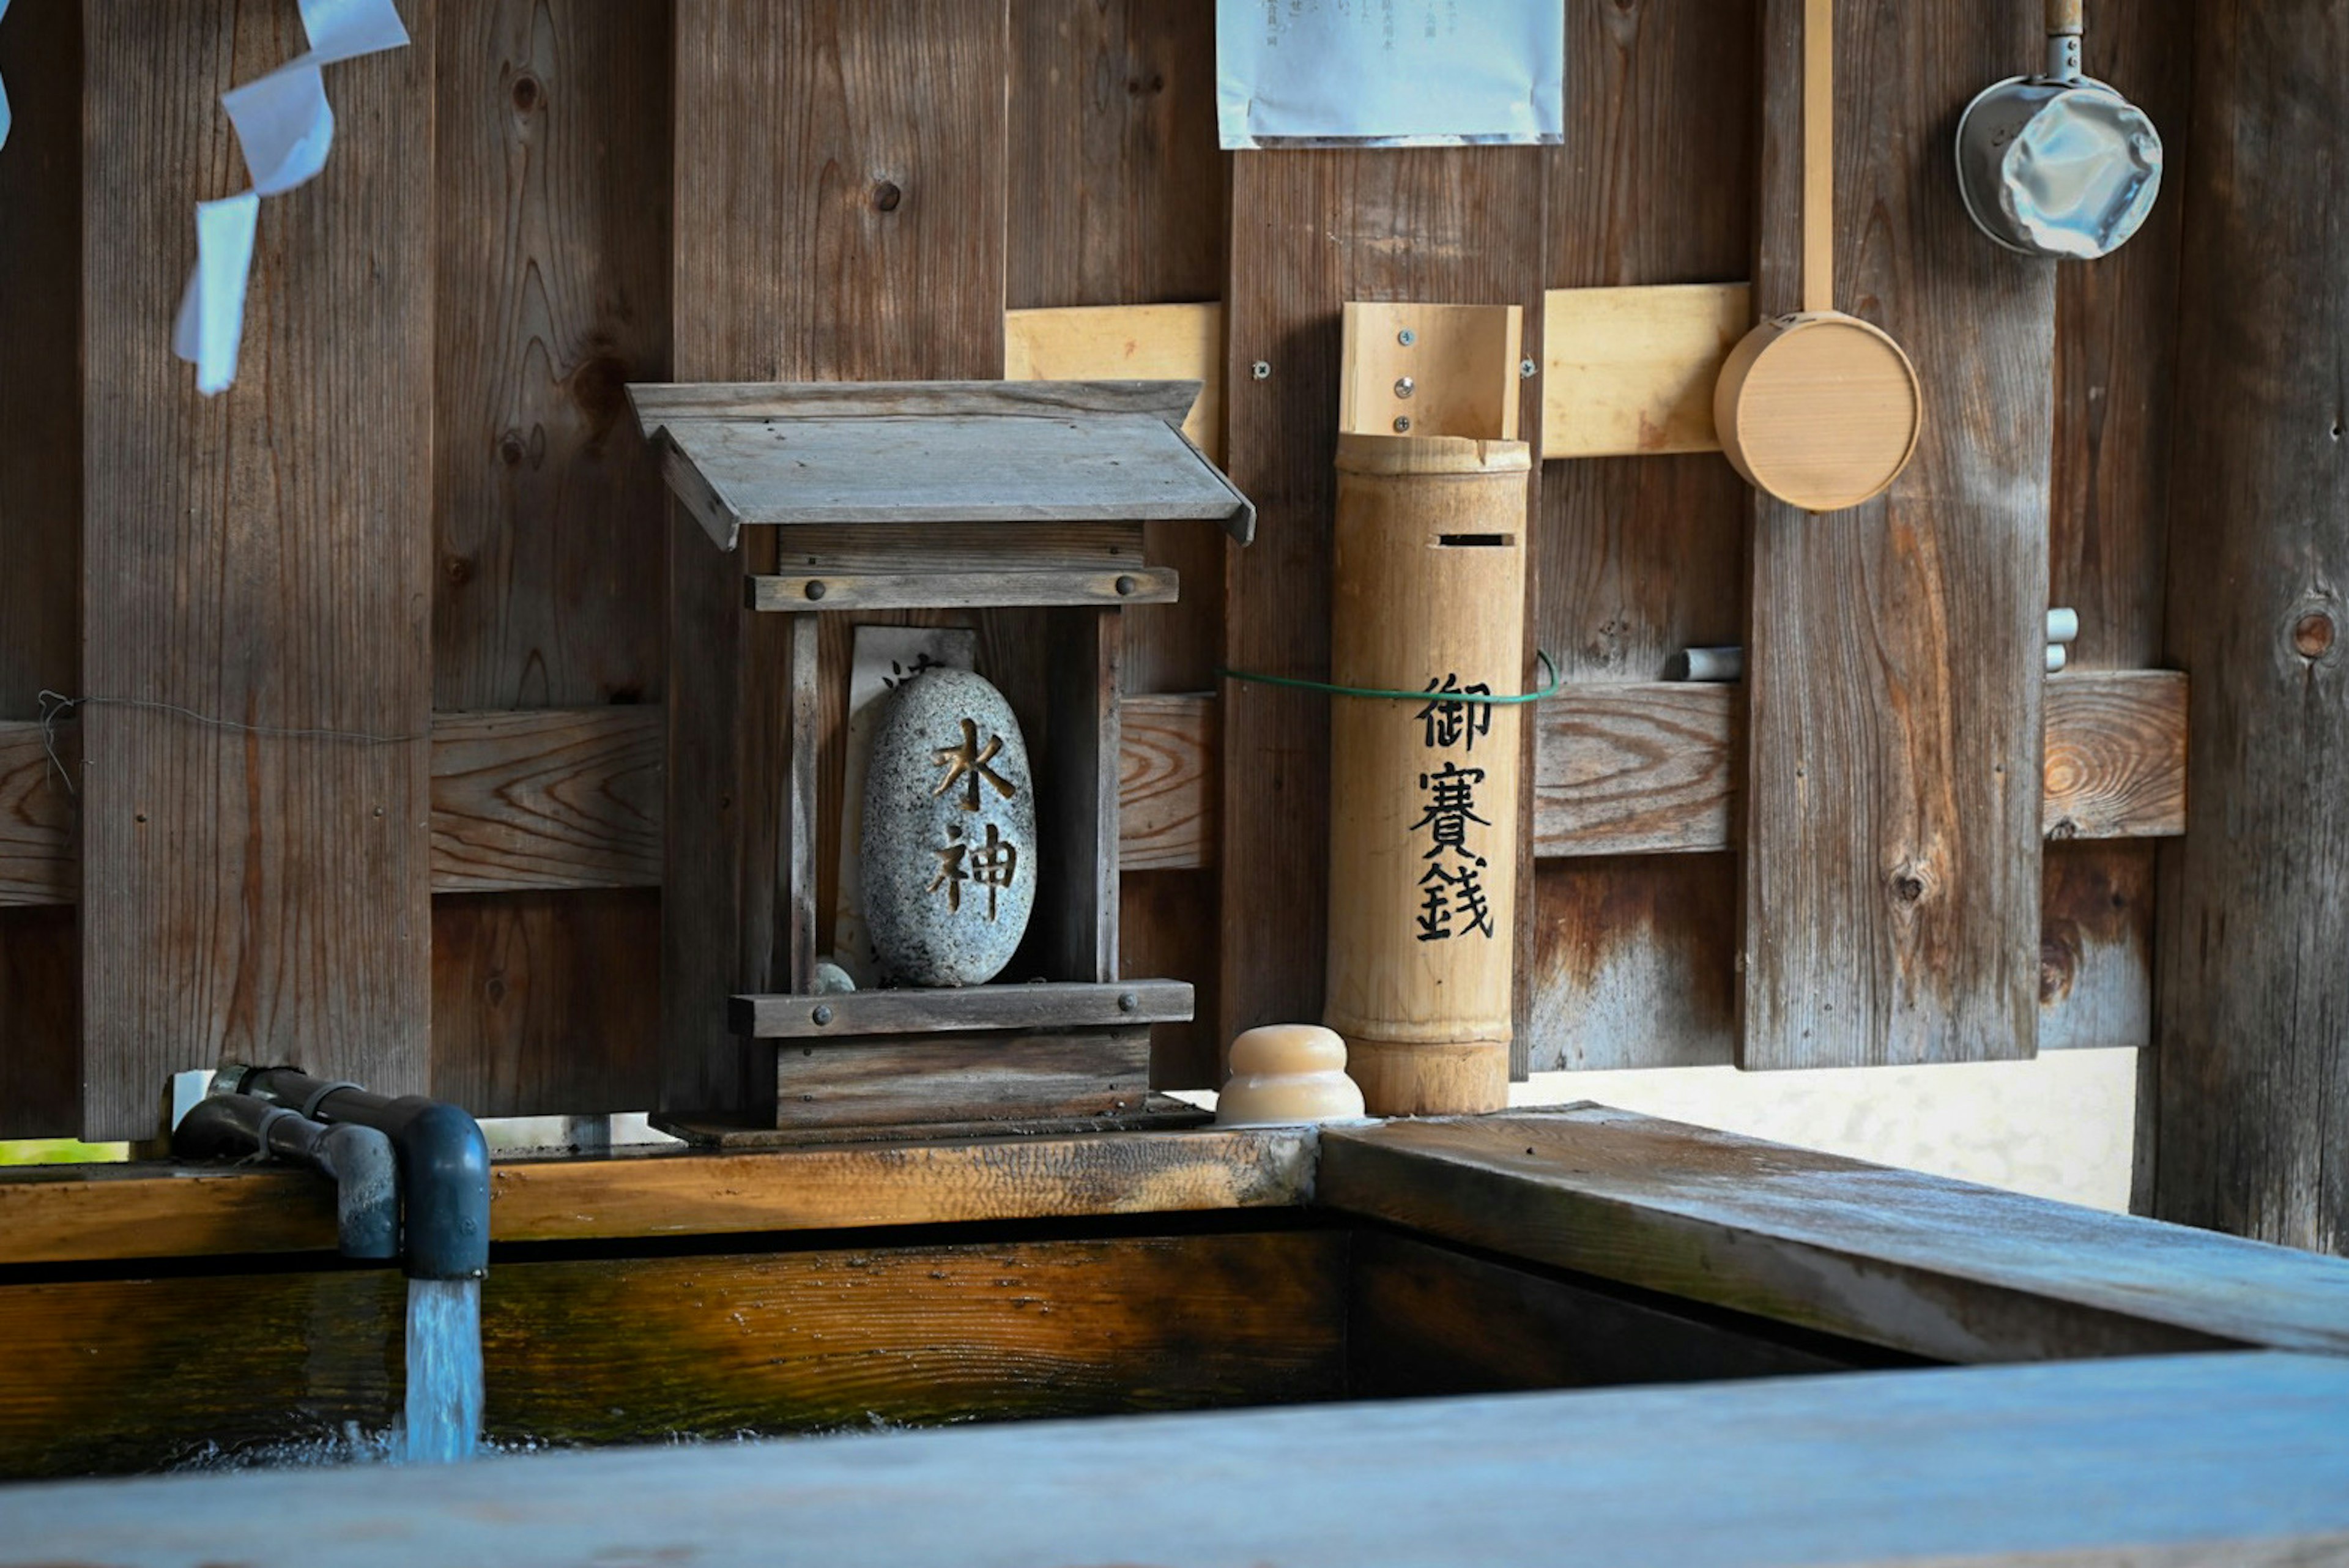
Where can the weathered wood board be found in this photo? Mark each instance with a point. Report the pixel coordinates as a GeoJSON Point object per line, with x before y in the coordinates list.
{"type": "Point", "coordinates": [552, 166]}
{"type": "Point", "coordinates": [2231, 1459]}
{"type": "Point", "coordinates": [2253, 1006]}
{"type": "Point", "coordinates": [887, 182]}
{"type": "Point", "coordinates": [599, 1350]}
{"type": "Point", "coordinates": [1651, 768]}
{"type": "Point", "coordinates": [1637, 557]}
{"type": "Point", "coordinates": [40, 552]}
{"type": "Point", "coordinates": [1913, 1262]}
{"type": "Point", "coordinates": [1311, 231]}
{"type": "Point", "coordinates": [1425, 1320]}
{"type": "Point", "coordinates": [261, 558]}
{"type": "Point", "coordinates": [80, 1214]}
{"type": "Point", "coordinates": [1891, 852]}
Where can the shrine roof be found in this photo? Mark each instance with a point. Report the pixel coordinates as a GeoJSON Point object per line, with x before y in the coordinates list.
{"type": "Point", "coordinates": [829, 453]}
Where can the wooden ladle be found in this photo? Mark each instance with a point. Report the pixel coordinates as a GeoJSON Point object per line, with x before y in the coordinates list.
{"type": "Point", "coordinates": [1819, 409]}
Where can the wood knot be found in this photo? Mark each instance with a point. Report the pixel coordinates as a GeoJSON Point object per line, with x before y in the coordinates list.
{"type": "Point", "coordinates": [456, 570]}
{"type": "Point", "coordinates": [525, 94]}
{"type": "Point", "coordinates": [885, 195]}
{"type": "Point", "coordinates": [2059, 960]}
{"type": "Point", "coordinates": [1908, 886]}
{"type": "Point", "coordinates": [2312, 635]}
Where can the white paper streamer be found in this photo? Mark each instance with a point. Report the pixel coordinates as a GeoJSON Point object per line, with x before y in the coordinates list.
{"type": "Point", "coordinates": [6, 119]}
{"type": "Point", "coordinates": [285, 128]}
{"type": "Point", "coordinates": [212, 313]}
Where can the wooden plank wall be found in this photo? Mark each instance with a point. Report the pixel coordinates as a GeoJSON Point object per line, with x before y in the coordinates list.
{"type": "Point", "coordinates": [40, 532]}
{"type": "Point", "coordinates": [542, 253]}
{"type": "Point", "coordinates": [552, 213]}
{"type": "Point", "coordinates": [262, 560]}
{"type": "Point", "coordinates": [2253, 1099]}
{"type": "Point", "coordinates": [1636, 956]}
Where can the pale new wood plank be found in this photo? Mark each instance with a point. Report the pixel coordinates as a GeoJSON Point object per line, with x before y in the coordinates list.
{"type": "Point", "coordinates": [1138, 342]}
{"type": "Point", "coordinates": [830, 593]}
{"type": "Point", "coordinates": [1630, 372]}
{"type": "Point", "coordinates": [1062, 1004]}
{"type": "Point", "coordinates": [264, 559]}
{"type": "Point", "coordinates": [1897, 1258]}
{"type": "Point", "coordinates": [1167, 783]}
{"type": "Point", "coordinates": [92, 1213]}
{"type": "Point", "coordinates": [1457, 376]}
{"type": "Point", "coordinates": [2224, 1459]}
{"type": "Point", "coordinates": [560, 797]}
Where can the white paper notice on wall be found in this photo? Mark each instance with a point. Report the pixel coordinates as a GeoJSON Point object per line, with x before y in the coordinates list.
{"type": "Point", "coordinates": [285, 128]}
{"type": "Point", "coordinates": [1390, 73]}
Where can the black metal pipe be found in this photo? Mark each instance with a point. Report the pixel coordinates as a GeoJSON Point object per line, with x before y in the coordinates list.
{"type": "Point", "coordinates": [444, 1164]}
{"type": "Point", "coordinates": [359, 1160]}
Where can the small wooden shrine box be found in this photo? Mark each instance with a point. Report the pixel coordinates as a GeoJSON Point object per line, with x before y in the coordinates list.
{"type": "Point", "coordinates": [1024, 500]}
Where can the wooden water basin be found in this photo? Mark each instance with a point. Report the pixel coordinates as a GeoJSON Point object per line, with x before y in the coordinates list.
{"type": "Point", "coordinates": [146, 1315]}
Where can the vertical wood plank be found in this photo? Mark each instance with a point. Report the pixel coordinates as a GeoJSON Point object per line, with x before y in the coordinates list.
{"type": "Point", "coordinates": [1629, 960]}
{"type": "Point", "coordinates": [1124, 201]}
{"type": "Point", "coordinates": [839, 200]}
{"type": "Point", "coordinates": [2253, 996]}
{"type": "Point", "coordinates": [1892, 850]}
{"type": "Point", "coordinates": [1311, 230]}
{"type": "Point", "coordinates": [2117, 323]}
{"type": "Point", "coordinates": [2117, 365]}
{"type": "Point", "coordinates": [40, 522]}
{"type": "Point", "coordinates": [1078, 826]}
{"type": "Point", "coordinates": [554, 1021]}
{"type": "Point", "coordinates": [260, 558]}
{"type": "Point", "coordinates": [552, 274]}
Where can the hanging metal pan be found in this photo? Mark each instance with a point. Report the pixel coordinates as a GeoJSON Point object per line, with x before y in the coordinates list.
{"type": "Point", "coordinates": [2058, 165]}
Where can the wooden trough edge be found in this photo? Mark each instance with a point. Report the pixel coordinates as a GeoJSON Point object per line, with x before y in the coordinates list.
{"type": "Point", "coordinates": [571, 797]}
{"type": "Point", "coordinates": [101, 1213]}
{"type": "Point", "coordinates": [1918, 1263]}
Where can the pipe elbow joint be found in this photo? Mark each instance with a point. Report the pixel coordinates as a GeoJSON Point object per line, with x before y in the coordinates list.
{"type": "Point", "coordinates": [445, 1162]}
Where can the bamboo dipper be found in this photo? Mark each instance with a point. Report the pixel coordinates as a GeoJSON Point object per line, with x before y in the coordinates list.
{"type": "Point", "coordinates": [1819, 409]}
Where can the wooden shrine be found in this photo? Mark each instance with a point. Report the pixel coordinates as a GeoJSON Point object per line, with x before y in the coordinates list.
{"type": "Point", "coordinates": [953, 499]}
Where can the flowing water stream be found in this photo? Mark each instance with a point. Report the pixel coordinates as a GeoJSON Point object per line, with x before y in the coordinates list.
{"type": "Point", "coordinates": [444, 1370]}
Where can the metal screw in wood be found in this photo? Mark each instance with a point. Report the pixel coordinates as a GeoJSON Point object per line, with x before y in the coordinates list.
{"type": "Point", "coordinates": [1261, 371]}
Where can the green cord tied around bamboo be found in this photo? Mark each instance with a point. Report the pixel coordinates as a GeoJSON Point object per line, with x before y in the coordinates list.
{"type": "Point", "coordinates": [1478, 698]}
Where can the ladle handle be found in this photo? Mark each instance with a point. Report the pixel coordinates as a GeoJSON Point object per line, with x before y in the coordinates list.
{"type": "Point", "coordinates": [1818, 154]}
{"type": "Point", "coordinates": [2066, 22]}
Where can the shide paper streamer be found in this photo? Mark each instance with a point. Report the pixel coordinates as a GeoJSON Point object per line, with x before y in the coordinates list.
{"type": "Point", "coordinates": [285, 126]}
{"type": "Point", "coordinates": [5, 120]}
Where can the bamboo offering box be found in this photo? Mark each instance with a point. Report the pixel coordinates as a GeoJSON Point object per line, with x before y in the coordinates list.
{"type": "Point", "coordinates": [1022, 506]}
